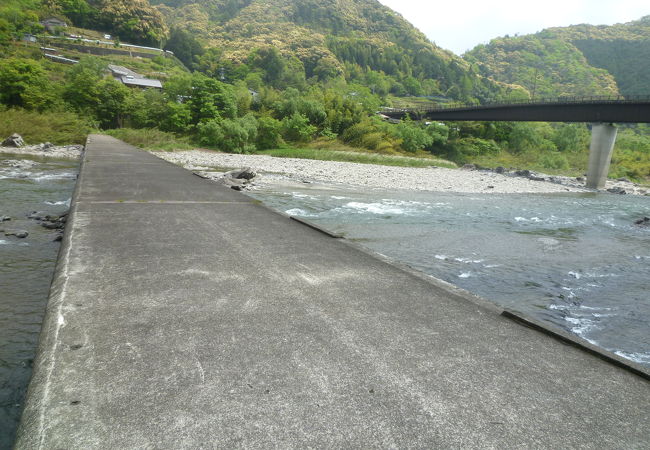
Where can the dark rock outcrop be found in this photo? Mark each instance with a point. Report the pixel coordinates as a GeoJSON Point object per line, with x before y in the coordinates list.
{"type": "Point", "coordinates": [15, 140]}
{"type": "Point", "coordinates": [238, 179]}
{"type": "Point", "coordinates": [643, 222]}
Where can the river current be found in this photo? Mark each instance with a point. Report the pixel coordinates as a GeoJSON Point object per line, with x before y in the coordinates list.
{"type": "Point", "coordinates": [575, 260]}
{"type": "Point", "coordinates": [26, 269]}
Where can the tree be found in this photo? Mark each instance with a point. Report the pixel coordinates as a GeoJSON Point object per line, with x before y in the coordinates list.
{"type": "Point", "coordinates": [230, 135]}
{"type": "Point", "coordinates": [530, 137]}
{"type": "Point", "coordinates": [270, 61]}
{"type": "Point", "coordinates": [439, 133]}
{"type": "Point", "coordinates": [23, 83]}
{"type": "Point", "coordinates": [297, 128]}
{"type": "Point", "coordinates": [133, 20]}
{"type": "Point", "coordinates": [413, 137]}
{"type": "Point", "coordinates": [268, 133]}
{"type": "Point", "coordinates": [111, 105]}
{"type": "Point", "coordinates": [185, 47]}
{"type": "Point", "coordinates": [210, 99]}
{"type": "Point", "coordinates": [571, 137]}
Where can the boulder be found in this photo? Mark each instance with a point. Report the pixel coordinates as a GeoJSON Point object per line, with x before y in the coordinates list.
{"type": "Point", "coordinates": [523, 173]}
{"type": "Point", "coordinates": [644, 222]}
{"type": "Point", "coordinates": [617, 190]}
{"type": "Point", "coordinates": [62, 218]}
{"type": "Point", "coordinates": [21, 234]}
{"type": "Point", "coordinates": [35, 215]}
{"type": "Point", "coordinates": [52, 225]}
{"type": "Point", "coordinates": [469, 167]}
{"type": "Point", "coordinates": [15, 140]}
{"type": "Point", "coordinates": [500, 169]}
{"type": "Point", "coordinates": [241, 174]}
{"type": "Point", "coordinates": [4, 218]}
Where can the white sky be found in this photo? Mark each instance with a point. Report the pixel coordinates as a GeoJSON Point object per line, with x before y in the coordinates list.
{"type": "Point", "coordinates": [459, 25]}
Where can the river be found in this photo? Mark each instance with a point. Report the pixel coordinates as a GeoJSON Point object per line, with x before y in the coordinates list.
{"type": "Point", "coordinates": [26, 269]}
{"type": "Point", "coordinates": [577, 261]}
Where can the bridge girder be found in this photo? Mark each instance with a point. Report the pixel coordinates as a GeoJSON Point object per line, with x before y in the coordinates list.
{"type": "Point", "coordinates": [597, 112]}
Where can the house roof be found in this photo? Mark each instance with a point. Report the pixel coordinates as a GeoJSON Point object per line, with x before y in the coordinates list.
{"type": "Point", "coordinates": [122, 71]}
{"type": "Point", "coordinates": [54, 20]}
{"type": "Point", "coordinates": [141, 82]}
{"type": "Point", "coordinates": [130, 78]}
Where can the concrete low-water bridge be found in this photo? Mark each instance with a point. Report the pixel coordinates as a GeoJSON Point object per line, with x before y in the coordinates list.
{"type": "Point", "coordinates": [602, 112]}
{"type": "Point", "coordinates": [183, 314]}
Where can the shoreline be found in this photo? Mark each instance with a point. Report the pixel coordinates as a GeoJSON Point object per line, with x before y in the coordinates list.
{"type": "Point", "coordinates": [294, 171]}
{"type": "Point", "coordinates": [41, 150]}
{"type": "Point", "coordinates": [273, 171]}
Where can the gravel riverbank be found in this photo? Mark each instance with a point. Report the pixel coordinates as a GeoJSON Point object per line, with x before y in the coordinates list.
{"type": "Point", "coordinates": [43, 150]}
{"type": "Point", "coordinates": [436, 179]}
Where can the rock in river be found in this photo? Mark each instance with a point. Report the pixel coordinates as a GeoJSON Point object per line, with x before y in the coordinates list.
{"type": "Point", "coordinates": [15, 140]}
{"type": "Point", "coordinates": [645, 222]}
{"type": "Point", "coordinates": [21, 234]}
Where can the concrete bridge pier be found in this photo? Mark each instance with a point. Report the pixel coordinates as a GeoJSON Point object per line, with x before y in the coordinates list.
{"type": "Point", "coordinates": [603, 138]}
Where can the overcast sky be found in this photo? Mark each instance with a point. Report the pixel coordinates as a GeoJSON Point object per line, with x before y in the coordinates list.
{"type": "Point", "coordinates": [459, 25]}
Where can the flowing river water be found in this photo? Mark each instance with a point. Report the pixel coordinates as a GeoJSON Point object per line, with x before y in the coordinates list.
{"type": "Point", "coordinates": [575, 260]}
{"type": "Point", "coordinates": [26, 269]}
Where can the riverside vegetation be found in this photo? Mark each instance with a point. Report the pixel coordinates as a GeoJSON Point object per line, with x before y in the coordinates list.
{"type": "Point", "coordinates": [294, 78]}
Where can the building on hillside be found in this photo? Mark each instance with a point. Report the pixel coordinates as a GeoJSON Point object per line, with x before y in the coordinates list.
{"type": "Point", "coordinates": [52, 23]}
{"type": "Point", "coordinates": [143, 83]}
{"type": "Point", "coordinates": [131, 79]}
{"type": "Point", "coordinates": [121, 71]}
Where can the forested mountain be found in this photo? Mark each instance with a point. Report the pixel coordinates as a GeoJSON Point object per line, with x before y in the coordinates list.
{"type": "Point", "coordinates": [263, 75]}
{"type": "Point", "coordinates": [576, 60]}
{"type": "Point", "coordinates": [361, 40]}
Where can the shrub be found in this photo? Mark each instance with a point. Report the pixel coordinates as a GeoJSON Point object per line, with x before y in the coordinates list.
{"type": "Point", "coordinates": [57, 127]}
{"type": "Point", "coordinates": [571, 137]}
{"type": "Point", "coordinates": [296, 128]}
{"type": "Point", "coordinates": [413, 137]}
{"type": "Point", "coordinates": [553, 160]}
{"type": "Point", "coordinates": [23, 83]}
{"type": "Point", "coordinates": [230, 135]}
{"type": "Point", "coordinates": [465, 149]}
{"type": "Point", "coordinates": [268, 133]}
{"type": "Point", "coordinates": [150, 139]}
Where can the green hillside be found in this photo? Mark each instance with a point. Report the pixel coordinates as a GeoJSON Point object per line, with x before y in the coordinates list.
{"type": "Point", "coordinates": [301, 77]}
{"type": "Point", "coordinates": [572, 61]}
{"type": "Point", "coordinates": [360, 40]}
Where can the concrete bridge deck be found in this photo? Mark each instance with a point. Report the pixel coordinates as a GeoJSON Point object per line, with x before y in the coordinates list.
{"type": "Point", "coordinates": [186, 315]}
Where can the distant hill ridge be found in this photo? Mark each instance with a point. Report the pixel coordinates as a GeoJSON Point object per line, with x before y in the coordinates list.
{"type": "Point", "coordinates": [576, 60]}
